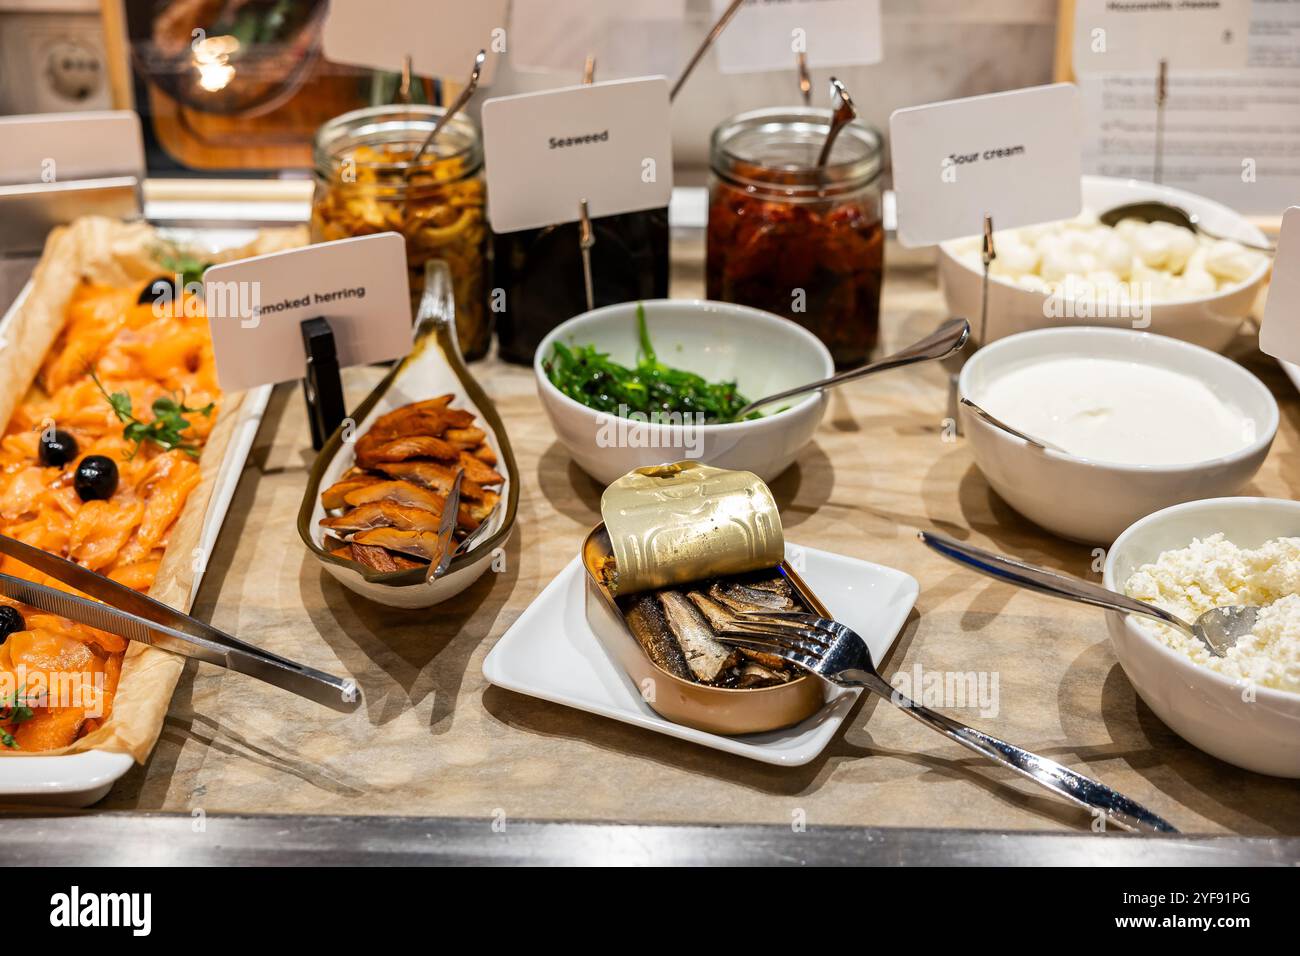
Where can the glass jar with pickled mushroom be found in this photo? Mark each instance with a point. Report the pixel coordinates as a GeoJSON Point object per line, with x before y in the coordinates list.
{"type": "Point", "coordinates": [367, 182]}
{"type": "Point", "coordinates": [789, 237]}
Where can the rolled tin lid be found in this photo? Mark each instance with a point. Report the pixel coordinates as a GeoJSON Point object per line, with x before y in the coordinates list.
{"type": "Point", "coordinates": [672, 524]}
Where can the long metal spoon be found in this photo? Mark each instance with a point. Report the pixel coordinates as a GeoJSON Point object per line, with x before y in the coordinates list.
{"type": "Point", "coordinates": [1218, 628]}
{"type": "Point", "coordinates": [458, 105]}
{"type": "Point", "coordinates": [1152, 210]}
{"type": "Point", "coordinates": [996, 422]}
{"type": "Point", "coordinates": [844, 114]}
{"type": "Point", "coordinates": [944, 340]}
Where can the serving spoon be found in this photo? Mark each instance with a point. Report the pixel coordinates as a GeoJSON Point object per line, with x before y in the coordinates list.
{"type": "Point", "coordinates": [1218, 628]}
{"type": "Point", "coordinates": [457, 105]}
{"type": "Point", "coordinates": [944, 340]}
{"type": "Point", "coordinates": [1040, 443]}
{"type": "Point", "coordinates": [1152, 210]}
{"type": "Point", "coordinates": [844, 114]}
{"type": "Point", "coordinates": [446, 530]}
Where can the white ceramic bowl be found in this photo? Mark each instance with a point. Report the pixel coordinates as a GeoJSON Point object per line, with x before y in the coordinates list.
{"type": "Point", "coordinates": [1210, 321]}
{"type": "Point", "coordinates": [763, 353]}
{"type": "Point", "coordinates": [1094, 501]}
{"type": "Point", "coordinates": [1204, 707]}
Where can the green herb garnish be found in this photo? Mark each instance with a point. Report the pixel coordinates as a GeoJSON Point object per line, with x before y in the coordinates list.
{"type": "Point", "coordinates": [169, 421]}
{"type": "Point", "coordinates": [13, 711]}
{"type": "Point", "coordinates": [186, 265]}
{"type": "Point", "coordinates": [588, 376]}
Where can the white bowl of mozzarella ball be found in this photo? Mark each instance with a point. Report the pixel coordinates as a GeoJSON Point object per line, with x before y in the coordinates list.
{"type": "Point", "coordinates": [1153, 277]}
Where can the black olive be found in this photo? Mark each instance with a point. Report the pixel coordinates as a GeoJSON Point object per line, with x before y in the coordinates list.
{"type": "Point", "coordinates": [151, 292]}
{"type": "Point", "coordinates": [10, 622]}
{"type": "Point", "coordinates": [96, 478]}
{"type": "Point", "coordinates": [57, 448]}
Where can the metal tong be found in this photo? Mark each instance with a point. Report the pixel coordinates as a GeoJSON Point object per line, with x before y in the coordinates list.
{"type": "Point", "coordinates": [138, 617]}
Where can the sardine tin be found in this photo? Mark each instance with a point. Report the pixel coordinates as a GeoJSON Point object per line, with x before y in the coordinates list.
{"type": "Point", "coordinates": [686, 521]}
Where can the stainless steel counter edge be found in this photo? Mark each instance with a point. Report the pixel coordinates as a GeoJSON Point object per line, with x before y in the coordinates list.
{"type": "Point", "coordinates": [116, 839]}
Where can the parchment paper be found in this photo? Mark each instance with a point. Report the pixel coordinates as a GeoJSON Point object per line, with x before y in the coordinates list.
{"type": "Point", "coordinates": [110, 252]}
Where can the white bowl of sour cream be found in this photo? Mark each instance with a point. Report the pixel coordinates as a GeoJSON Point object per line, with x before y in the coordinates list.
{"type": "Point", "coordinates": [1144, 422]}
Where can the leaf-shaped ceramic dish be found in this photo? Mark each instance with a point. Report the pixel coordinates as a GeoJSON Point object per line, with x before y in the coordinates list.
{"type": "Point", "coordinates": [433, 368]}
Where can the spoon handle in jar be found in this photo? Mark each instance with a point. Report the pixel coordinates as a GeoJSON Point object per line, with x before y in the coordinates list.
{"type": "Point", "coordinates": [703, 48]}
{"type": "Point", "coordinates": [470, 86]}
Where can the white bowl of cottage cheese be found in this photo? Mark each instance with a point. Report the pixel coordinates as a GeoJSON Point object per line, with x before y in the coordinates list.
{"type": "Point", "coordinates": [1245, 708]}
{"type": "Point", "coordinates": [1151, 276]}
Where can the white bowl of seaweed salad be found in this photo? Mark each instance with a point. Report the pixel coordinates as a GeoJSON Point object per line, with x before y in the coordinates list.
{"type": "Point", "coordinates": [638, 384]}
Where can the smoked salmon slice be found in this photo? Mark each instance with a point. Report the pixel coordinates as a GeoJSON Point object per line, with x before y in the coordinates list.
{"type": "Point", "coordinates": [133, 349]}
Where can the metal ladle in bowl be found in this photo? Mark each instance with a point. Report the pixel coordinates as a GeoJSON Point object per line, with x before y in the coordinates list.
{"type": "Point", "coordinates": [944, 340]}
{"type": "Point", "coordinates": [1153, 210]}
{"type": "Point", "coordinates": [1218, 628]}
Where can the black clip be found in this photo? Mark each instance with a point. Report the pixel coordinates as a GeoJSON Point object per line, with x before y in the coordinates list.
{"type": "Point", "coordinates": [322, 385]}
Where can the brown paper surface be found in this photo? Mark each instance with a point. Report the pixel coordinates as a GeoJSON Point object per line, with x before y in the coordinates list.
{"type": "Point", "coordinates": [433, 738]}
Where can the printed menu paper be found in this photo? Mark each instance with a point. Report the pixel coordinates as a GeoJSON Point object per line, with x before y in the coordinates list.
{"type": "Point", "coordinates": [1014, 156]}
{"type": "Point", "coordinates": [1124, 37]}
{"type": "Point", "coordinates": [627, 37]}
{"type": "Point", "coordinates": [768, 35]}
{"type": "Point", "coordinates": [1208, 117]}
{"type": "Point", "coordinates": [61, 147]}
{"type": "Point", "coordinates": [441, 36]}
{"type": "Point", "coordinates": [255, 307]}
{"type": "Point", "coordinates": [607, 143]}
{"type": "Point", "coordinates": [1279, 333]}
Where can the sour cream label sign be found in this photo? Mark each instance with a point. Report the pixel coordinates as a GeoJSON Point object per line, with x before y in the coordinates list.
{"type": "Point", "coordinates": [1014, 156]}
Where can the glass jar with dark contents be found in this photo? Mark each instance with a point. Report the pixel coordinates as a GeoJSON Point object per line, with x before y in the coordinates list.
{"type": "Point", "coordinates": [538, 274]}
{"type": "Point", "coordinates": [366, 183]}
{"type": "Point", "coordinates": [787, 237]}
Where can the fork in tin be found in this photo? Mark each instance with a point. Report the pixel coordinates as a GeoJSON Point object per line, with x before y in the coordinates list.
{"type": "Point", "coordinates": [838, 655]}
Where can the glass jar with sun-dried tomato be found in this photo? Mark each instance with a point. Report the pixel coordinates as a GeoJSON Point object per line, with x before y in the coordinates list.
{"type": "Point", "coordinates": [791, 238]}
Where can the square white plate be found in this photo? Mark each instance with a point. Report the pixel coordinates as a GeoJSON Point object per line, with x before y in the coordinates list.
{"type": "Point", "coordinates": [552, 652]}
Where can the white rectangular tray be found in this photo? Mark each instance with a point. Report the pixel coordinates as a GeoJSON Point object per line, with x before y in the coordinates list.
{"type": "Point", "coordinates": [78, 780]}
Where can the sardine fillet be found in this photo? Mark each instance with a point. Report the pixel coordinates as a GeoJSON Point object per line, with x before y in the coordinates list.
{"type": "Point", "coordinates": [738, 597]}
{"type": "Point", "coordinates": [705, 655]}
{"type": "Point", "coordinates": [720, 618]}
{"type": "Point", "coordinates": [645, 619]}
